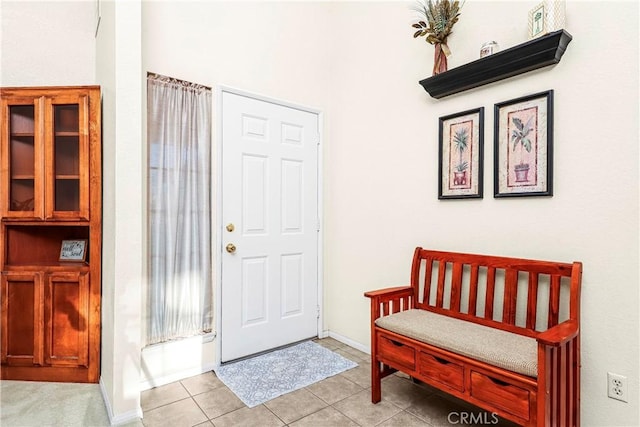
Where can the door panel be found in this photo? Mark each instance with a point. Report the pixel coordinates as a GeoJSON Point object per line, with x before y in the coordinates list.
{"type": "Point", "coordinates": [292, 197]}
{"type": "Point", "coordinates": [66, 324]}
{"type": "Point", "coordinates": [22, 315]}
{"type": "Point", "coordinates": [254, 291]}
{"type": "Point", "coordinates": [254, 189]}
{"type": "Point", "coordinates": [292, 285]}
{"type": "Point", "coordinates": [270, 195]}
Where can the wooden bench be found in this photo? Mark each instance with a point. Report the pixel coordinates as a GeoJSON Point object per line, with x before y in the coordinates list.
{"type": "Point", "coordinates": [500, 333]}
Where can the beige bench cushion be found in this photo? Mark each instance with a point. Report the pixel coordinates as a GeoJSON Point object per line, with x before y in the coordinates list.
{"type": "Point", "coordinates": [506, 350]}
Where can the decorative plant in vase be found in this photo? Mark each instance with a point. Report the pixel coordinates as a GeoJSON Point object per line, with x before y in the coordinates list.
{"type": "Point", "coordinates": [439, 18]}
{"type": "Point", "coordinates": [461, 140]}
{"type": "Point", "coordinates": [460, 174]}
{"type": "Point", "coordinates": [519, 137]}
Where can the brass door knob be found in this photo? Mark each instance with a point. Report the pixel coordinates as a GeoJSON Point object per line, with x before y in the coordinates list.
{"type": "Point", "coordinates": [231, 248]}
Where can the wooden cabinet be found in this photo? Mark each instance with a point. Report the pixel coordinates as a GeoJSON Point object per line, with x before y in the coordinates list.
{"type": "Point", "coordinates": [51, 191]}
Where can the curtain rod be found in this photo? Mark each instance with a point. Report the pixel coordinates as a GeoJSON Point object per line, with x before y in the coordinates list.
{"type": "Point", "coordinates": [173, 79]}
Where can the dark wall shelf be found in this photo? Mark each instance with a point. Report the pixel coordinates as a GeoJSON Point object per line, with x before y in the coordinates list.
{"type": "Point", "coordinates": [534, 54]}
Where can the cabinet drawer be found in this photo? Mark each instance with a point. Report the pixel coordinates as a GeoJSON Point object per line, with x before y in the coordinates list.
{"type": "Point", "coordinates": [500, 394]}
{"type": "Point", "coordinates": [395, 351]}
{"type": "Point", "coordinates": [442, 370]}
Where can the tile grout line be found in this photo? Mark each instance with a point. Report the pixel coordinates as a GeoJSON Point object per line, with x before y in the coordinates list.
{"type": "Point", "coordinates": [276, 415]}
{"type": "Point", "coordinates": [200, 407]}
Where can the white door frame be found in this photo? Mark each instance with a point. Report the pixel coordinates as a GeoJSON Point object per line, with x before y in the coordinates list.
{"type": "Point", "coordinates": [217, 187]}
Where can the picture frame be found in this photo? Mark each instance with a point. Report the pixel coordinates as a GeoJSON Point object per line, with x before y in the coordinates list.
{"type": "Point", "coordinates": [460, 155]}
{"type": "Point", "coordinates": [523, 146]}
{"type": "Point", "coordinates": [538, 21]}
{"type": "Point", "coordinates": [73, 250]}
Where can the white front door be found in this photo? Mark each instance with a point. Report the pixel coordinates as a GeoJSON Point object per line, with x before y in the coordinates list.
{"type": "Point", "coordinates": [269, 290]}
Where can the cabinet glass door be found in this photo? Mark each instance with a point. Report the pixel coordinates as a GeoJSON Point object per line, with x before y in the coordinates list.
{"type": "Point", "coordinates": [22, 158]}
{"type": "Point", "coordinates": [67, 195]}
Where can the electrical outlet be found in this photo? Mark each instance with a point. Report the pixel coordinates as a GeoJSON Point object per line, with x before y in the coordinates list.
{"type": "Point", "coordinates": [617, 387]}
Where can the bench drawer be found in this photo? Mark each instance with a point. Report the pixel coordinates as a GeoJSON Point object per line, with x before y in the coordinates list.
{"type": "Point", "coordinates": [442, 370]}
{"type": "Point", "coordinates": [396, 351]}
{"type": "Point", "coordinates": [500, 394]}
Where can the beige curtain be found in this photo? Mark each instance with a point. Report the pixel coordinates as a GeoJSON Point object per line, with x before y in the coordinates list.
{"type": "Point", "coordinates": [179, 138]}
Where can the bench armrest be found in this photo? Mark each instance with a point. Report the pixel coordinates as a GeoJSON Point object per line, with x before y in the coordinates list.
{"type": "Point", "coordinates": [389, 300]}
{"type": "Point", "coordinates": [390, 293]}
{"type": "Point", "coordinates": [559, 334]}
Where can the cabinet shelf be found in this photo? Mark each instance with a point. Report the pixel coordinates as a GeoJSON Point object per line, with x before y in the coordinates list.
{"type": "Point", "coordinates": [48, 266]}
{"type": "Point", "coordinates": [22, 177]}
{"type": "Point", "coordinates": [67, 134]}
{"type": "Point", "coordinates": [537, 53]}
{"type": "Point", "coordinates": [22, 134]}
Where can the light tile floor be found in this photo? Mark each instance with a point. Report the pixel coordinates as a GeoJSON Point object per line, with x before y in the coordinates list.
{"type": "Point", "coordinates": [341, 400]}
{"type": "Point", "coordinates": [203, 400]}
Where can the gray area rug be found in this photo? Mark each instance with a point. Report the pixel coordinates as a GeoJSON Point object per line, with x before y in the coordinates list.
{"type": "Point", "coordinates": [262, 378]}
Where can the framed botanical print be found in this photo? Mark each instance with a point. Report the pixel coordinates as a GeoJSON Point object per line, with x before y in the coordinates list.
{"type": "Point", "coordinates": [460, 151]}
{"type": "Point", "coordinates": [523, 146]}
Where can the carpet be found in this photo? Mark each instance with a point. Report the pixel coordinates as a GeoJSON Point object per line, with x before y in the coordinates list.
{"type": "Point", "coordinates": [264, 377]}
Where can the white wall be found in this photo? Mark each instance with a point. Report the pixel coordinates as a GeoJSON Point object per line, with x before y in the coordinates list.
{"type": "Point", "coordinates": [277, 48]}
{"type": "Point", "coordinates": [118, 71]}
{"type": "Point", "coordinates": [45, 43]}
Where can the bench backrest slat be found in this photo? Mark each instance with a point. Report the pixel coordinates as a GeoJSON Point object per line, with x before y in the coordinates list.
{"type": "Point", "coordinates": [427, 280]}
{"type": "Point", "coordinates": [441, 276]}
{"type": "Point", "coordinates": [473, 289]}
{"type": "Point", "coordinates": [516, 294]}
{"type": "Point", "coordinates": [456, 285]}
{"type": "Point", "coordinates": [554, 300]}
{"type": "Point", "coordinates": [532, 301]}
{"type": "Point", "coordinates": [491, 285]}
{"type": "Point", "coordinates": [510, 297]}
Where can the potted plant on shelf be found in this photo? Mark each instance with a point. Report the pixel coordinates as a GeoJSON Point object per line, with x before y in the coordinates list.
{"type": "Point", "coordinates": [460, 140]}
{"type": "Point", "coordinates": [439, 19]}
{"type": "Point", "coordinates": [519, 137]}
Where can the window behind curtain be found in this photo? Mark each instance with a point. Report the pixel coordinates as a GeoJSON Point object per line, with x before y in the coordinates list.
{"type": "Point", "coordinates": [180, 281]}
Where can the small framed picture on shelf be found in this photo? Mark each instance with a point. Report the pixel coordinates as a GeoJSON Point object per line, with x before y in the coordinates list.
{"type": "Point", "coordinates": [537, 21]}
{"type": "Point", "coordinates": [523, 146]}
{"type": "Point", "coordinates": [73, 250]}
{"type": "Point", "coordinates": [460, 149]}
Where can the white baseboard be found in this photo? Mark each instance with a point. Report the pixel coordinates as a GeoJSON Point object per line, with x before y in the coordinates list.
{"type": "Point", "coordinates": [127, 417]}
{"type": "Point", "coordinates": [176, 360]}
{"type": "Point", "coordinates": [350, 342]}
